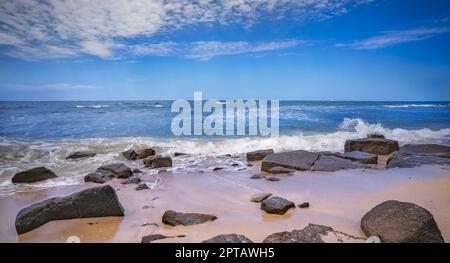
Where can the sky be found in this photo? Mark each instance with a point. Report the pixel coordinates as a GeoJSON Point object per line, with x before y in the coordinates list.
{"type": "Point", "coordinates": [229, 49]}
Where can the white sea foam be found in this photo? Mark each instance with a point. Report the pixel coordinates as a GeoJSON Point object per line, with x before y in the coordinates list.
{"type": "Point", "coordinates": [416, 105]}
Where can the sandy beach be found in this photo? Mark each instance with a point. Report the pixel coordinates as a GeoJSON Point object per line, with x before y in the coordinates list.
{"type": "Point", "coordinates": [338, 199]}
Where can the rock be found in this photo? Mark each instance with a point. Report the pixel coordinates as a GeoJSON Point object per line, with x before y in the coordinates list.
{"type": "Point", "coordinates": [296, 160]}
{"type": "Point", "coordinates": [249, 165]}
{"type": "Point", "coordinates": [372, 145]}
{"type": "Point", "coordinates": [304, 205]}
{"type": "Point", "coordinates": [310, 234]}
{"type": "Point", "coordinates": [273, 179]}
{"type": "Point", "coordinates": [259, 197]}
{"type": "Point", "coordinates": [144, 153]}
{"type": "Point", "coordinates": [132, 180]}
{"type": "Point", "coordinates": [280, 170]}
{"type": "Point", "coordinates": [130, 155]}
{"type": "Point", "coordinates": [33, 175]}
{"type": "Point", "coordinates": [81, 154]}
{"type": "Point", "coordinates": [118, 170]}
{"type": "Point", "coordinates": [256, 176]}
{"type": "Point", "coordinates": [176, 154]}
{"type": "Point", "coordinates": [217, 168]}
{"type": "Point", "coordinates": [158, 161]}
{"type": "Point", "coordinates": [173, 218]}
{"type": "Point", "coordinates": [332, 163]}
{"type": "Point", "coordinates": [228, 238]}
{"type": "Point", "coordinates": [361, 157]}
{"type": "Point", "coordinates": [136, 171]}
{"type": "Point", "coordinates": [98, 178]}
{"type": "Point", "coordinates": [400, 222]}
{"type": "Point", "coordinates": [151, 238]}
{"type": "Point", "coordinates": [258, 155]}
{"type": "Point", "coordinates": [234, 164]}
{"type": "Point", "coordinates": [375, 136]}
{"type": "Point", "coordinates": [276, 205]}
{"type": "Point", "coordinates": [93, 202]}
{"type": "Point", "coordinates": [402, 160]}
{"type": "Point", "coordinates": [426, 149]}
{"type": "Point", "coordinates": [141, 187]}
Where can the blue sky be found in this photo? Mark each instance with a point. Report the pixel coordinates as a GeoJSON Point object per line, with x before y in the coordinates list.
{"type": "Point", "coordinates": [151, 49]}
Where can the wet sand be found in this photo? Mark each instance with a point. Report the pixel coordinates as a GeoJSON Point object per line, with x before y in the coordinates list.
{"type": "Point", "coordinates": [337, 199]}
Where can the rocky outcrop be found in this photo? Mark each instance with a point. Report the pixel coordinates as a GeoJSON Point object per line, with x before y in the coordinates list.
{"type": "Point", "coordinates": [400, 222]}
{"type": "Point", "coordinates": [138, 154]}
{"type": "Point", "coordinates": [81, 154]}
{"type": "Point", "coordinates": [276, 205]}
{"type": "Point", "coordinates": [173, 218]}
{"type": "Point", "coordinates": [327, 163]}
{"type": "Point", "coordinates": [401, 160]}
{"type": "Point", "coordinates": [228, 238]}
{"type": "Point", "coordinates": [310, 234]}
{"type": "Point", "coordinates": [94, 202]}
{"type": "Point", "coordinates": [158, 161]}
{"type": "Point", "coordinates": [33, 175]}
{"type": "Point", "coordinates": [296, 160]}
{"type": "Point", "coordinates": [360, 157]}
{"type": "Point", "coordinates": [259, 197]}
{"type": "Point", "coordinates": [376, 146]}
{"type": "Point", "coordinates": [258, 155]}
{"type": "Point", "coordinates": [426, 149]}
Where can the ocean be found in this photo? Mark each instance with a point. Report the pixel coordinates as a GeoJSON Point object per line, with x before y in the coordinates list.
{"type": "Point", "coordinates": [44, 133]}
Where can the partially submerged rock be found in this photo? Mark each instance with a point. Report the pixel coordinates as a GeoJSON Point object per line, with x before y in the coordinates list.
{"type": "Point", "coordinates": [81, 154]}
{"type": "Point", "coordinates": [98, 178]}
{"type": "Point", "coordinates": [327, 163]}
{"type": "Point", "coordinates": [400, 222]}
{"type": "Point", "coordinates": [158, 161]}
{"type": "Point", "coordinates": [228, 238]}
{"type": "Point", "coordinates": [376, 146]}
{"type": "Point", "coordinates": [93, 202]}
{"type": "Point", "coordinates": [33, 175]}
{"type": "Point", "coordinates": [310, 234]}
{"type": "Point", "coordinates": [118, 170]}
{"type": "Point", "coordinates": [259, 197]}
{"type": "Point", "coordinates": [132, 180]}
{"type": "Point", "coordinates": [258, 155]}
{"type": "Point", "coordinates": [138, 154]}
{"type": "Point", "coordinates": [296, 160]}
{"type": "Point", "coordinates": [276, 205]}
{"type": "Point", "coordinates": [173, 218]}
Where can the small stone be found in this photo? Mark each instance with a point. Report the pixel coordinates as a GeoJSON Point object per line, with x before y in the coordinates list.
{"type": "Point", "coordinates": [273, 179]}
{"type": "Point", "coordinates": [142, 187]}
{"type": "Point", "coordinates": [256, 176]}
{"type": "Point", "coordinates": [304, 205]}
{"type": "Point", "coordinates": [276, 205]}
{"type": "Point", "coordinates": [218, 168]}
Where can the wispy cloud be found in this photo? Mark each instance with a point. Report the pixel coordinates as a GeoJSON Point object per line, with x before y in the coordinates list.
{"type": "Point", "coordinates": [50, 29]}
{"type": "Point", "coordinates": [392, 38]}
{"type": "Point", "coordinates": [52, 86]}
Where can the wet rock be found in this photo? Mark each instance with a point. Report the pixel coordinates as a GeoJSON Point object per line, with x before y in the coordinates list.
{"type": "Point", "coordinates": [426, 149]}
{"type": "Point", "coordinates": [258, 155]}
{"type": "Point", "coordinates": [259, 197]}
{"type": "Point", "coordinates": [158, 161]}
{"type": "Point", "coordinates": [280, 170]}
{"type": "Point", "coordinates": [273, 179]}
{"type": "Point", "coordinates": [118, 170]}
{"type": "Point", "coordinates": [98, 178]}
{"type": "Point", "coordinates": [33, 175]}
{"type": "Point", "coordinates": [257, 176]}
{"type": "Point", "coordinates": [81, 154]}
{"type": "Point", "coordinates": [130, 155]}
{"type": "Point", "coordinates": [176, 154]}
{"type": "Point", "coordinates": [136, 171]}
{"type": "Point", "coordinates": [332, 163]}
{"type": "Point", "coordinates": [249, 165]}
{"type": "Point", "coordinates": [400, 222]}
{"type": "Point", "coordinates": [151, 238]}
{"type": "Point", "coordinates": [372, 145]}
{"type": "Point", "coordinates": [296, 160]}
{"type": "Point", "coordinates": [93, 202]}
{"type": "Point", "coordinates": [304, 205]}
{"type": "Point", "coordinates": [132, 180]}
{"type": "Point", "coordinates": [144, 153]}
{"type": "Point", "coordinates": [276, 205]}
{"type": "Point", "coordinates": [360, 157]}
{"type": "Point", "coordinates": [218, 168]}
{"type": "Point", "coordinates": [234, 164]}
{"type": "Point", "coordinates": [141, 187]}
{"type": "Point", "coordinates": [228, 238]}
{"type": "Point", "coordinates": [310, 234]}
{"type": "Point", "coordinates": [402, 160]}
{"type": "Point", "coordinates": [375, 136]}
{"type": "Point", "coordinates": [173, 218]}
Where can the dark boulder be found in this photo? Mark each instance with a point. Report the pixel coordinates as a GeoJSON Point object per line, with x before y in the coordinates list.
{"type": "Point", "coordinates": [177, 154]}
{"type": "Point", "coordinates": [141, 187]}
{"type": "Point", "coordinates": [215, 169]}
{"type": "Point", "coordinates": [136, 171]}
{"type": "Point", "coordinates": [332, 163]}
{"type": "Point", "coordinates": [118, 170]}
{"type": "Point", "coordinates": [132, 180]}
{"type": "Point", "coordinates": [173, 218]}
{"type": "Point", "coordinates": [360, 157]}
{"type": "Point", "coordinates": [98, 178]}
{"type": "Point", "coordinates": [310, 234]}
{"type": "Point", "coordinates": [258, 155]}
{"type": "Point", "coordinates": [33, 175]}
{"type": "Point", "coordinates": [402, 160]}
{"type": "Point", "coordinates": [228, 238]}
{"type": "Point", "coordinates": [130, 155]}
{"type": "Point", "coordinates": [81, 154]}
{"type": "Point", "coordinates": [276, 205]}
{"type": "Point", "coordinates": [376, 146]}
{"type": "Point", "coordinates": [400, 222]}
{"type": "Point", "coordinates": [296, 160]}
{"type": "Point", "coordinates": [158, 161]}
{"type": "Point", "coordinates": [144, 153]}
{"type": "Point", "coordinates": [426, 149]}
{"type": "Point", "coordinates": [93, 202]}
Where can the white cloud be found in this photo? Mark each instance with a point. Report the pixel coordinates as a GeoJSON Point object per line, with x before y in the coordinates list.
{"type": "Point", "coordinates": [33, 29]}
{"type": "Point", "coordinates": [391, 38]}
{"type": "Point", "coordinates": [53, 86]}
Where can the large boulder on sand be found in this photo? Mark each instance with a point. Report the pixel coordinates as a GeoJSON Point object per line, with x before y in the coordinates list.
{"type": "Point", "coordinates": [258, 155]}
{"type": "Point", "coordinates": [327, 163]}
{"type": "Point", "coordinates": [94, 202]}
{"type": "Point", "coordinates": [400, 222]}
{"type": "Point", "coordinates": [228, 238]}
{"type": "Point", "coordinates": [276, 205]}
{"type": "Point", "coordinates": [173, 218]}
{"type": "Point", "coordinates": [81, 154]}
{"type": "Point", "coordinates": [296, 160]}
{"type": "Point", "coordinates": [378, 146]}
{"type": "Point", "coordinates": [33, 175]}
{"type": "Point", "coordinates": [310, 234]}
